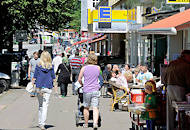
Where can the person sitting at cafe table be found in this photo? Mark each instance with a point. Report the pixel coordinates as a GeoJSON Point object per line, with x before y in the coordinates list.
{"type": "Point", "coordinates": [144, 76]}
{"type": "Point", "coordinates": [150, 114]}
{"type": "Point", "coordinates": [120, 80]}
{"type": "Point", "coordinates": [135, 74]}
{"type": "Point", "coordinates": [107, 72]}
{"type": "Point", "coordinates": [126, 69]}
{"type": "Point", "coordinates": [115, 68]}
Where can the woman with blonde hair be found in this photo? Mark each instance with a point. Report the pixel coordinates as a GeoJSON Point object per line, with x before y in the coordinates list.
{"type": "Point", "coordinates": [44, 76]}
{"type": "Point", "coordinates": [91, 93]}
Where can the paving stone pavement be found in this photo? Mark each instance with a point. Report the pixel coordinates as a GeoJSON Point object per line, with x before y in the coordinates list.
{"type": "Point", "coordinates": [18, 111]}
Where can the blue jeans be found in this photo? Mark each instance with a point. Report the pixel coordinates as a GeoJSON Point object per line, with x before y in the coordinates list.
{"type": "Point", "coordinates": [150, 124]}
{"type": "Point", "coordinates": [75, 74]}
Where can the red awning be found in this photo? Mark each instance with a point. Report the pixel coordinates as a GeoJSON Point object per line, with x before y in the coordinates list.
{"type": "Point", "coordinates": [99, 39]}
{"type": "Point", "coordinates": [95, 36]}
{"type": "Point", "coordinates": [76, 43]}
{"type": "Point", "coordinates": [168, 25]}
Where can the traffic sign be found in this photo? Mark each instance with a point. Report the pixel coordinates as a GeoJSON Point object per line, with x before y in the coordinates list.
{"type": "Point", "coordinates": [21, 35]}
{"type": "Point", "coordinates": [105, 14]}
{"type": "Point", "coordinates": [178, 1]}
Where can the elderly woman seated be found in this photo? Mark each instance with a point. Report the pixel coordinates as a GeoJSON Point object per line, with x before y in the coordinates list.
{"type": "Point", "coordinates": [120, 80]}
{"type": "Point", "coordinates": [119, 87]}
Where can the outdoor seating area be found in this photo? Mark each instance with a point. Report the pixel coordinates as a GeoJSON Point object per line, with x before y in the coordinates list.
{"type": "Point", "coordinates": [131, 98]}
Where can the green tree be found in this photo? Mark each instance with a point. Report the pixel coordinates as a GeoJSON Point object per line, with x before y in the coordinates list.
{"type": "Point", "coordinates": [24, 14]}
{"type": "Point", "coordinates": [130, 4]}
{"type": "Point", "coordinates": [51, 13]}
{"type": "Point", "coordinates": [76, 18]}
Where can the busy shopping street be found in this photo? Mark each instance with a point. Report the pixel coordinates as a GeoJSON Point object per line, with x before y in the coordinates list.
{"type": "Point", "coordinates": [19, 111]}
{"type": "Point", "coordinates": [94, 64]}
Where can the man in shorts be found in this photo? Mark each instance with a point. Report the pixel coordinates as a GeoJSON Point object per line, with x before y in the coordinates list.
{"type": "Point", "coordinates": [31, 69]}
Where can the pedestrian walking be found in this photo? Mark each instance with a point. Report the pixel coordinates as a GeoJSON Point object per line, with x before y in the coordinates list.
{"type": "Point", "coordinates": [57, 60]}
{"type": "Point", "coordinates": [32, 65]}
{"type": "Point", "coordinates": [91, 93]}
{"type": "Point", "coordinates": [63, 73]}
{"type": "Point", "coordinates": [76, 64]}
{"type": "Point", "coordinates": [43, 77]}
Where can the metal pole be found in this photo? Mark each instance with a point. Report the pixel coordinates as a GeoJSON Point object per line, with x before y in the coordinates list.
{"type": "Point", "coordinates": [168, 48]}
{"type": "Point", "coordinates": [20, 46]}
{"type": "Point", "coordinates": [152, 55]}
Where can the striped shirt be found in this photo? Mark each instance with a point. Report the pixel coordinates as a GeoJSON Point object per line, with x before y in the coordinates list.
{"type": "Point", "coordinates": [76, 62]}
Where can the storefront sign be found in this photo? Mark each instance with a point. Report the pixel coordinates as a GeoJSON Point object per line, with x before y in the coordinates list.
{"type": "Point", "coordinates": [178, 1]}
{"type": "Point", "coordinates": [116, 27]}
{"type": "Point", "coordinates": [105, 14]}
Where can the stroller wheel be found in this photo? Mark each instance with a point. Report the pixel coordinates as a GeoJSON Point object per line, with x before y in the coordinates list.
{"type": "Point", "coordinates": [77, 119]}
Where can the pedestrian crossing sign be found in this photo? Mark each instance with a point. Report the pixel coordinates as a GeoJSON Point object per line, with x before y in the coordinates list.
{"type": "Point", "coordinates": [178, 1]}
{"type": "Point", "coordinates": [105, 14]}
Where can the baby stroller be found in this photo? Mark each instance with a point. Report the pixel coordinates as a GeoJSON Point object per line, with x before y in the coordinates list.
{"type": "Point", "coordinates": [79, 116]}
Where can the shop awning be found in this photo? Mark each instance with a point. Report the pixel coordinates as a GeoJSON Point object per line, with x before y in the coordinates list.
{"type": "Point", "coordinates": [169, 25]}
{"type": "Point", "coordinates": [99, 39]}
{"type": "Point", "coordinates": [76, 43]}
{"type": "Point", "coordinates": [95, 36]}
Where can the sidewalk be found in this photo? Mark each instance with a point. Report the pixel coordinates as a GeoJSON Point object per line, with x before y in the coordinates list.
{"type": "Point", "coordinates": [19, 111]}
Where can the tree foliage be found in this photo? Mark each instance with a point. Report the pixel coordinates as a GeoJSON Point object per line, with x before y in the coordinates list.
{"type": "Point", "coordinates": [76, 19]}
{"type": "Point", "coordinates": [51, 13]}
{"type": "Point", "coordinates": [132, 3]}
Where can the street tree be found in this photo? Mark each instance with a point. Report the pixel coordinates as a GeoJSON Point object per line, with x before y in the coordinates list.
{"type": "Point", "coordinates": [26, 14]}
{"type": "Point", "coordinates": [50, 13]}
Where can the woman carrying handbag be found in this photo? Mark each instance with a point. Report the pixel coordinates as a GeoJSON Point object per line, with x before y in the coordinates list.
{"type": "Point", "coordinates": [44, 76]}
{"type": "Point", "coordinates": [63, 78]}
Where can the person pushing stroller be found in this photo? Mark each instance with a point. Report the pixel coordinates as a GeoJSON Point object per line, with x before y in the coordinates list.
{"type": "Point", "coordinates": [91, 93]}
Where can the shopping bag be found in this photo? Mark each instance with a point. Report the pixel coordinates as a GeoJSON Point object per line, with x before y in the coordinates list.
{"type": "Point", "coordinates": [77, 85]}
{"type": "Point", "coordinates": [30, 87]}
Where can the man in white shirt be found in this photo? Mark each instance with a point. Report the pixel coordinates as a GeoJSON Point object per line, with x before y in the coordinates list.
{"type": "Point", "coordinates": [56, 62]}
{"type": "Point", "coordinates": [145, 75]}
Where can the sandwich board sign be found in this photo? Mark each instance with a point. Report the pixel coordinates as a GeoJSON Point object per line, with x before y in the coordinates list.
{"type": "Point", "coordinates": [178, 1]}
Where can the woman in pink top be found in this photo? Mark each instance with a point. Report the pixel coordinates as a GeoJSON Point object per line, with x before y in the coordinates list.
{"type": "Point", "coordinates": [91, 93]}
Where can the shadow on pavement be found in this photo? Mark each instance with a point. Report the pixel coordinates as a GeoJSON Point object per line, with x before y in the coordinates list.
{"type": "Point", "coordinates": [49, 126]}
{"type": "Point", "coordinates": [46, 126]}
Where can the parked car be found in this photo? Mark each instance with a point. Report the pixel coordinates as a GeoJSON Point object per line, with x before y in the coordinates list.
{"type": "Point", "coordinates": [33, 41]}
{"type": "Point", "coordinates": [4, 82]}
